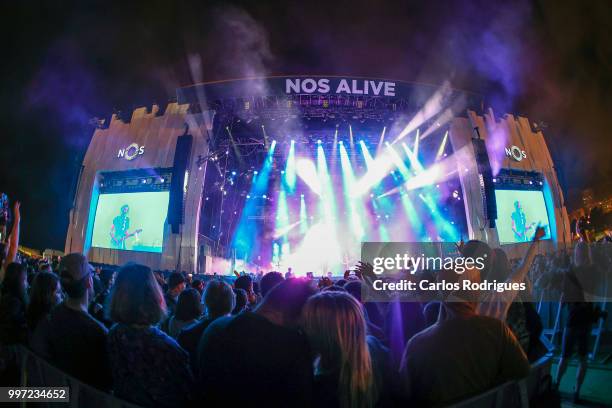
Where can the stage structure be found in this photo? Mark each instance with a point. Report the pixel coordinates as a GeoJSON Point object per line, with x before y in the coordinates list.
{"type": "Point", "coordinates": [295, 172]}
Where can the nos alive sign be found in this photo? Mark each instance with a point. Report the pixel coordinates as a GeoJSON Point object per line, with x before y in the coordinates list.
{"type": "Point", "coordinates": [303, 85]}
{"type": "Point", "coordinates": [339, 86]}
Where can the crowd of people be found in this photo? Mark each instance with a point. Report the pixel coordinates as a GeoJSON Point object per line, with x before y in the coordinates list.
{"type": "Point", "coordinates": [169, 339]}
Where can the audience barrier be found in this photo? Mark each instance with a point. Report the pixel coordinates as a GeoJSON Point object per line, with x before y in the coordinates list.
{"type": "Point", "coordinates": [36, 372]}
{"type": "Point", "coordinates": [513, 393]}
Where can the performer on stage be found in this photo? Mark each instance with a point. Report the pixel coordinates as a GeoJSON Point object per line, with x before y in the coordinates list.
{"type": "Point", "coordinates": [119, 230]}
{"type": "Point", "coordinates": [519, 223]}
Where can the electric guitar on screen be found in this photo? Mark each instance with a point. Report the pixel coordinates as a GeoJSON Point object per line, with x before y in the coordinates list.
{"type": "Point", "coordinates": [119, 230]}
{"type": "Point", "coordinates": [119, 241]}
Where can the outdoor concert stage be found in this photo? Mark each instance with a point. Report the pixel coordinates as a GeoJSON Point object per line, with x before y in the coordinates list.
{"type": "Point", "coordinates": [282, 172]}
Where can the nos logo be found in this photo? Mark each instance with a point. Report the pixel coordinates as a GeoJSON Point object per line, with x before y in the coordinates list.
{"type": "Point", "coordinates": [131, 152]}
{"type": "Point", "coordinates": [516, 153]}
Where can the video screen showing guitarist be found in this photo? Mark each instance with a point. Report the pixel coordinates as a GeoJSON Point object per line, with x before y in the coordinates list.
{"type": "Point", "coordinates": [519, 224]}
{"type": "Point", "coordinates": [120, 229]}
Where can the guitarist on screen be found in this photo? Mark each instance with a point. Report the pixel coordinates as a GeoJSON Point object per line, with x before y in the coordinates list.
{"type": "Point", "coordinates": [519, 223]}
{"type": "Point", "coordinates": [119, 231]}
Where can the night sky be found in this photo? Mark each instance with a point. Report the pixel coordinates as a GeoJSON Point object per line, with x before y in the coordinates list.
{"type": "Point", "coordinates": [64, 65]}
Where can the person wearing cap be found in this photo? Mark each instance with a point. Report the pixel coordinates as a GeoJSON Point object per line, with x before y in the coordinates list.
{"type": "Point", "coordinates": [70, 338]}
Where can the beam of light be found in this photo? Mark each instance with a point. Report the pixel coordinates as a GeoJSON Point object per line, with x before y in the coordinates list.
{"type": "Point", "coordinates": [290, 170]}
{"type": "Point", "coordinates": [366, 154]}
{"type": "Point", "coordinates": [415, 149]}
{"type": "Point", "coordinates": [328, 201]}
{"type": "Point", "coordinates": [245, 239]}
{"type": "Point", "coordinates": [351, 139]}
{"type": "Point", "coordinates": [377, 170]}
{"type": "Point", "coordinates": [426, 178]}
{"type": "Point", "coordinates": [439, 172]}
{"type": "Point", "coordinates": [413, 217]}
{"type": "Point", "coordinates": [440, 121]}
{"type": "Point", "coordinates": [283, 226]}
{"type": "Point", "coordinates": [431, 108]}
{"type": "Point", "coordinates": [303, 216]}
{"type": "Point", "coordinates": [384, 204]}
{"type": "Point", "coordinates": [409, 209]}
{"type": "Point", "coordinates": [282, 222]}
{"type": "Point", "coordinates": [354, 206]}
{"type": "Point", "coordinates": [399, 163]}
{"type": "Point", "coordinates": [335, 143]}
{"type": "Point", "coordinates": [195, 67]}
{"type": "Point", "coordinates": [458, 104]}
{"type": "Point", "coordinates": [415, 164]}
{"type": "Point", "coordinates": [286, 229]}
{"type": "Point", "coordinates": [381, 140]}
{"type": "Point", "coordinates": [446, 231]}
{"type": "Point", "coordinates": [442, 146]}
{"type": "Point", "coordinates": [275, 254]}
{"type": "Point", "coordinates": [282, 213]}
{"type": "Point", "coordinates": [383, 234]}
{"type": "Point", "coordinates": [423, 179]}
{"type": "Point", "coordinates": [307, 172]}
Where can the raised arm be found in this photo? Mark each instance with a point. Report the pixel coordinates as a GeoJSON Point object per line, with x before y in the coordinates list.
{"type": "Point", "coordinates": [13, 240]}
{"type": "Point", "coordinates": [519, 274]}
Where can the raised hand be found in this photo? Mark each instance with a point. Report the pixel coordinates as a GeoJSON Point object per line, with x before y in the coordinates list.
{"type": "Point", "coordinates": [539, 233]}
{"type": "Point", "coordinates": [16, 211]}
{"type": "Point", "coordinates": [365, 271]}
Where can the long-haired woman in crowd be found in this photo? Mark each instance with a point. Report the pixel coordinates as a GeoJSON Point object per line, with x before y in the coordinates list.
{"type": "Point", "coordinates": [13, 304]}
{"type": "Point", "coordinates": [148, 367]}
{"type": "Point", "coordinates": [45, 293]}
{"type": "Point", "coordinates": [344, 373]}
{"type": "Point", "coordinates": [13, 327]}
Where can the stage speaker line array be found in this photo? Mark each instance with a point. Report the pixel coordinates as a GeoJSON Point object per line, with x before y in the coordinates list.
{"type": "Point", "coordinates": [485, 175]}
{"type": "Point", "coordinates": [177, 195]}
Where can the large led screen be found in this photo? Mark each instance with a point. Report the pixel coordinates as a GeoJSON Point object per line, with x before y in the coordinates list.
{"type": "Point", "coordinates": [131, 221]}
{"type": "Point", "coordinates": [519, 212]}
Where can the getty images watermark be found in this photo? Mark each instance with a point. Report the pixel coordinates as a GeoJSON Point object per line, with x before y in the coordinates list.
{"type": "Point", "coordinates": [428, 271]}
